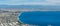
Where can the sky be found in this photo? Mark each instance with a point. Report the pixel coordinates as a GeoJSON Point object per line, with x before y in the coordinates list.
{"type": "Point", "coordinates": [29, 2]}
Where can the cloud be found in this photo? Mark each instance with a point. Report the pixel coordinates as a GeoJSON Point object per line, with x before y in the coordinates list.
{"type": "Point", "coordinates": [11, 2]}
{"type": "Point", "coordinates": [47, 2]}
{"type": "Point", "coordinates": [30, 2]}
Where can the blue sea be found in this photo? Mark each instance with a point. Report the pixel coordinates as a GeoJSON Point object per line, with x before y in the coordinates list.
{"type": "Point", "coordinates": [42, 18]}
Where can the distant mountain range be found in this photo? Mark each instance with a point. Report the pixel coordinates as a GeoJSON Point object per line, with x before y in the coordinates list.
{"type": "Point", "coordinates": [27, 6]}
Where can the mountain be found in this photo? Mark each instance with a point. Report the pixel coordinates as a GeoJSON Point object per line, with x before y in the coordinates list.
{"type": "Point", "coordinates": [27, 6]}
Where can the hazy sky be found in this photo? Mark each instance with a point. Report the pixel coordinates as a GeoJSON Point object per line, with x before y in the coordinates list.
{"type": "Point", "coordinates": [30, 2]}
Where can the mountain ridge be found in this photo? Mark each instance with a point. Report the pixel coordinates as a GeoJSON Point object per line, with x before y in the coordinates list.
{"type": "Point", "coordinates": [27, 6]}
